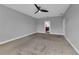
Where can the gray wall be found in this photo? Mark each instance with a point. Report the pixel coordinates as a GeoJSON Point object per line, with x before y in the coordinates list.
{"type": "Point", "coordinates": [72, 25]}
{"type": "Point", "coordinates": [56, 25]}
{"type": "Point", "coordinates": [14, 24]}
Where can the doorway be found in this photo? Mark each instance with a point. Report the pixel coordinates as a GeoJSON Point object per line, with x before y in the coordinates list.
{"type": "Point", "coordinates": [47, 26]}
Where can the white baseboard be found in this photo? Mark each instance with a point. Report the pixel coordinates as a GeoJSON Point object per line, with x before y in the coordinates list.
{"type": "Point", "coordinates": [53, 33]}
{"type": "Point", "coordinates": [72, 44]}
{"type": "Point", "coordinates": [57, 33]}
{"type": "Point", "coordinates": [4, 42]}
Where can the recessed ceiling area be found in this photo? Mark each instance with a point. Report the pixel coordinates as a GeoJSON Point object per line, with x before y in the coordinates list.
{"type": "Point", "coordinates": [30, 9]}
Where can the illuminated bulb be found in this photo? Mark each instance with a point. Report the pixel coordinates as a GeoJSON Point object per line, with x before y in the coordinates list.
{"type": "Point", "coordinates": [39, 11]}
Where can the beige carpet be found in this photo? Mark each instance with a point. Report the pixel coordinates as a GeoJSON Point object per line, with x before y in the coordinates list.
{"type": "Point", "coordinates": [38, 44]}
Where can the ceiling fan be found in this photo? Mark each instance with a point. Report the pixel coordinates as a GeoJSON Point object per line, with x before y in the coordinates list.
{"type": "Point", "coordinates": [39, 9]}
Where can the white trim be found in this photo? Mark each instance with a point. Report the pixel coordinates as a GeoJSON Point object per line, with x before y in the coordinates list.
{"type": "Point", "coordinates": [15, 38]}
{"type": "Point", "coordinates": [72, 44]}
{"type": "Point", "coordinates": [53, 33]}
{"type": "Point", "coordinates": [57, 33]}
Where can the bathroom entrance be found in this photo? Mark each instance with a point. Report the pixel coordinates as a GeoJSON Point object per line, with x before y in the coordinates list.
{"type": "Point", "coordinates": [47, 26]}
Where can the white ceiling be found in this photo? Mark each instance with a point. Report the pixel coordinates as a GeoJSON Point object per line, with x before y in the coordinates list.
{"type": "Point", "coordinates": [30, 9]}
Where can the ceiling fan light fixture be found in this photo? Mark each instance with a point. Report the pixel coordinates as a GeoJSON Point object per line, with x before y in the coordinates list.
{"type": "Point", "coordinates": [39, 9]}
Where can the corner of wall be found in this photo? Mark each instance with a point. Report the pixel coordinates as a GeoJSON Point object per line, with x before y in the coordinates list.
{"type": "Point", "coordinates": [71, 44]}
{"type": "Point", "coordinates": [4, 42]}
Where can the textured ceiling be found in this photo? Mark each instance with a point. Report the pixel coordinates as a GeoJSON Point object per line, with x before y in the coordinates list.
{"type": "Point", "coordinates": [30, 9]}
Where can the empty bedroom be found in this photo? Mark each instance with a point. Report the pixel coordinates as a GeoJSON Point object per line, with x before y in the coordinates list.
{"type": "Point", "coordinates": [39, 29]}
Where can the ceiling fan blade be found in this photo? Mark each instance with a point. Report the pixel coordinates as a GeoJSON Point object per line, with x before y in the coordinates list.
{"type": "Point", "coordinates": [37, 6]}
{"type": "Point", "coordinates": [42, 10]}
{"type": "Point", "coordinates": [36, 12]}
